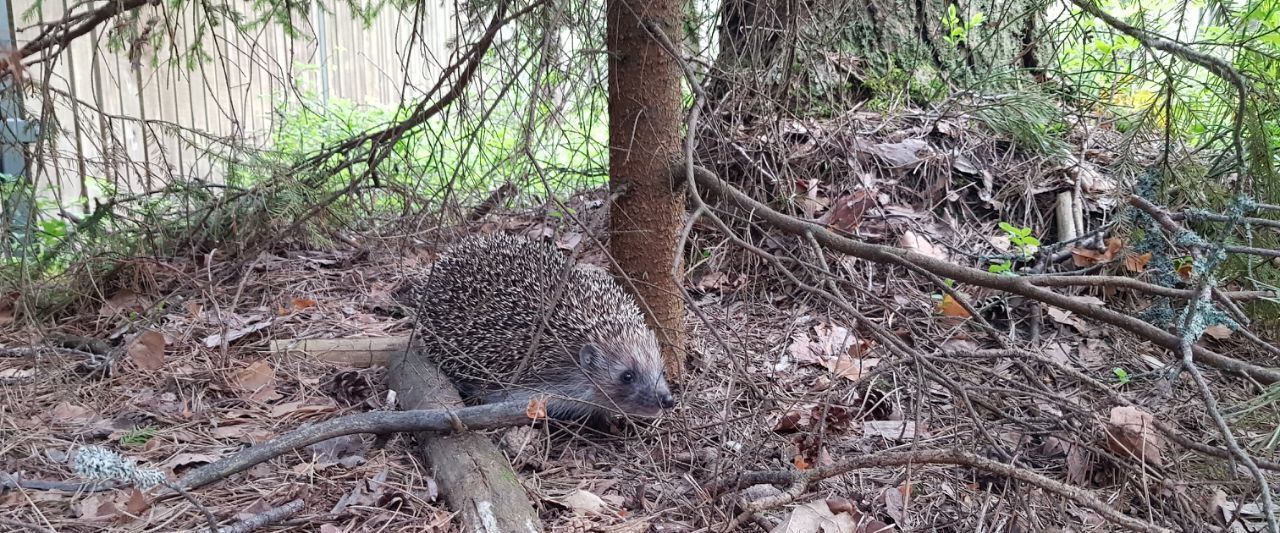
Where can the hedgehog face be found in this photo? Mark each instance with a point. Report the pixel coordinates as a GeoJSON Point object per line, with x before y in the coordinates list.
{"type": "Point", "coordinates": [628, 376]}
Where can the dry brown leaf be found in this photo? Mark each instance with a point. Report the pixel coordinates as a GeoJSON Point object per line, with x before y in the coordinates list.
{"type": "Point", "coordinates": [185, 459]}
{"type": "Point", "coordinates": [900, 154]}
{"type": "Point", "coordinates": [803, 350]}
{"type": "Point", "coordinates": [847, 211]}
{"type": "Point", "coordinates": [136, 503]}
{"type": "Point", "coordinates": [584, 503]}
{"type": "Point", "coordinates": [124, 301]}
{"type": "Point", "coordinates": [67, 412]}
{"type": "Point", "coordinates": [1084, 257]}
{"type": "Point", "coordinates": [98, 508]}
{"type": "Point", "coordinates": [851, 368]}
{"type": "Point", "coordinates": [816, 517]}
{"type": "Point", "coordinates": [914, 242]}
{"type": "Point", "coordinates": [299, 304]}
{"type": "Point", "coordinates": [1132, 432]}
{"type": "Point", "coordinates": [1218, 331]}
{"type": "Point", "coordinates": [259, 380]}
{"type": "Point", "coordinates": [1137, 263]}
{"type": "Point", "coordinates": [952, 308]}
{"type": "Point", "coordinates": [147, 350]}
{"type": "Point", "coordinates": [1079, 466]}
{"type": "Point", "coordinates": [790, 422]}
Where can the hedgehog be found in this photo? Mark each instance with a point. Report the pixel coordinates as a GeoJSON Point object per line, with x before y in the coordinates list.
{"type": "Point", "coordinates": [507, 318]}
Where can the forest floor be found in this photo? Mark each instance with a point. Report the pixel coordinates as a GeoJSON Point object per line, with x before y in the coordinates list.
{"type": "Point", "coordinates": [779, 378]}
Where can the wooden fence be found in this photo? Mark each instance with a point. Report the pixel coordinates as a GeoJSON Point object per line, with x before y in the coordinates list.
{"type": "Point", "coordinates": [123, 122]}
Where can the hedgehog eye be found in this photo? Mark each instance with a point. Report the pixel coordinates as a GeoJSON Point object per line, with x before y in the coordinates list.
{"type": "Point", "coordinates": [628, 377]}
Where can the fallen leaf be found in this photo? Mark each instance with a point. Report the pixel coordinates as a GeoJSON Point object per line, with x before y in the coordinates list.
{"type": "Point", "coordinates": [147, 350]}
{"type": "Point", "coordinates": [136, 503]}
{"type": "Point", "coordinates": [900, 154]}
{"type": "Point", "coordinates": [914, 242]}
{"type": "Point", "coordinates": [67, 412]}
{"type": "Point", "coordinates": [847, 211]}
{"type": "Point", "coordinates": [124, 301]}
{"type": "Point", "coordinates": [216, 339]}
{"type": "Point", "coordinates": [1079, 465]}
{"type": "Point", "coordinates": [98, 508]}
{"type": "Point", "coordinates": [299, 304]}
{"type": "Point", "coordinates": [952, 308]}
{"type": "Point", "coordinates": [1218, 331]}
{"type": "Point", "coordinates": [584, 503]}
{"type": "Point", "coordinates": [803, 350]}
{"type": "Point", "coordinates": [1132, 432]}
{"type": "Point", "coordinates": [851, 368]}
{"type": "Point", "coordinates": [186, 459]}
{"type": "Point", "coordinates": [816, 517]}
{"type": "Point", "coordinates": [333, 450]}
{"type": "Point", "coordinates": [895, 503]}
{"type": "Point", "coordinates": [255, 377]}
{"type": "Point", "coordinates": [790, 422]}
{"type": "Point", "coordinates": [1137, 263]}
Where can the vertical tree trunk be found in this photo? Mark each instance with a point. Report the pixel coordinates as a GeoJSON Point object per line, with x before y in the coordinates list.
{"type": "Point", "coordinates": [644, 140]}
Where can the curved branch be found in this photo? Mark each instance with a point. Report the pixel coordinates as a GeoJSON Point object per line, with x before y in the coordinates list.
{"type": "Point", "coordinates": [488, 416]}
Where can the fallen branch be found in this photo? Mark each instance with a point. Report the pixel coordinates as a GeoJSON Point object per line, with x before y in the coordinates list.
{"type": "Point", "coordinates": [487, 416]}
{"type": "Point", "coordinates": [798, 482]}
{"type": "Point", "coordinates": [475, 478]}
{"type": "Point", "coordinates": [265, 518]}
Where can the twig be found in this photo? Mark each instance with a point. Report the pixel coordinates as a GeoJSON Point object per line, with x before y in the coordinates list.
{"type": "Point", "coordinates": [486, 416]}
{"type": "Point", "coordinates": [8, 481]}
{"type": "Point", "coordinates": [799, 482]}
{"type": "Point", "coordinates": [265, 518]}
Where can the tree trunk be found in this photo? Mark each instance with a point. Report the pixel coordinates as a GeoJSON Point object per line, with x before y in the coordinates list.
{"type": "Point", "coordinates": [644, 140]}
{"type": "Point", "coordinates": [823, 55]}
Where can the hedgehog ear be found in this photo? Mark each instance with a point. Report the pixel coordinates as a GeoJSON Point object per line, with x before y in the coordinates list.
{"type": "Point", "coordinates": [590, 355]}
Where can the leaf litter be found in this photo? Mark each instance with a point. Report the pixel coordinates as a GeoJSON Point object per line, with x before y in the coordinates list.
{"type": "Point", "coordinates": [205, 386]}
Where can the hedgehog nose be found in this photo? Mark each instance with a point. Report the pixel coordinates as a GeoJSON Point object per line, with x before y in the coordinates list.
{"type": "Point", "coordinates": [666, 401]}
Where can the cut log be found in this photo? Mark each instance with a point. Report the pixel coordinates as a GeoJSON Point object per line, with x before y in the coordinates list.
{"type": "Point", "coordinates": [474, 477]}
{"type": "Point", "coordinates": [360, 352]}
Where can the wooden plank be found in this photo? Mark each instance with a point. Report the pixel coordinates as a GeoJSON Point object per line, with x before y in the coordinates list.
{"type": "Point", "coordinates": [358, 352]}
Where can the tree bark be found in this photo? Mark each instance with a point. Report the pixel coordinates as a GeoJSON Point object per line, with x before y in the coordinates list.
{"type": "Point", "coordinates": [644, 139]}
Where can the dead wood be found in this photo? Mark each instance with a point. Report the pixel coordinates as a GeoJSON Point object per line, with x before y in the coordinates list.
{"type": "Point", "coordinates": [359, 352]}
{"type": "Point", "coordinates": [474, 476]}
{"type": "Point", "coordinates": [487, 416]}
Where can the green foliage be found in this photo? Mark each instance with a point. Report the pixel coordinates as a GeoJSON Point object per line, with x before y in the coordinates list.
{"type": "Point", "coordinates": [1151, 89]}
{"type": "Point", "coordinates": [958, 30]}
{"type": "Point", "coordinates": [1032, 121]}
{"type": "Point", "coordinates": [1025, 243]}
{"type": "Point", "coordinates": [138, 436]}
{"type": "Point", "coordinates": [1122, 375]}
